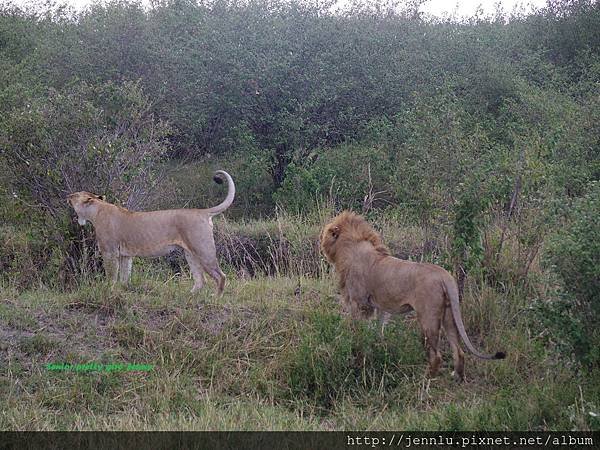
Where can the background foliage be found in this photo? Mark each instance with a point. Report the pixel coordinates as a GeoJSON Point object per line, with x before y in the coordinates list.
{"type": "Point", "coordinates": [472, 143]}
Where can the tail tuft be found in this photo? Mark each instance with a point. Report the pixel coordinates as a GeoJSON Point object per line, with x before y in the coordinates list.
{"type": "Point", "coordinates": [500, 355]}
{"type": "Point", "coordinates": [219, 177]}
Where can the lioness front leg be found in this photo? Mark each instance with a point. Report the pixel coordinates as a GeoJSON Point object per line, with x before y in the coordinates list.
{"type": "Point", "coordinates": [111, 266]}
{"type": "Point", "coordinates": [125, 263]}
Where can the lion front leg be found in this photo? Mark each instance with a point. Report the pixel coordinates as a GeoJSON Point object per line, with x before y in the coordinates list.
{"type": "Point", "coordinates": [357, 299]}
{"type": "Point", "coordinates": [382, 318]}
{"type": "Point", "coordinates": [359, 307]}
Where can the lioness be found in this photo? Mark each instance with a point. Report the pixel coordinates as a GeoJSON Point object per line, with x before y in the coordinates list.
{"type": "Point", "coordinates": [373, 281]}
{"type": "Point", "coordinates": [122, 234]}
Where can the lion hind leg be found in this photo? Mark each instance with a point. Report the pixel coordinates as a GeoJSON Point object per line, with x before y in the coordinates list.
{"type": "Point", "coordinates": [453, 339]}
{"type": "Point", "coordinates": [431, 337]}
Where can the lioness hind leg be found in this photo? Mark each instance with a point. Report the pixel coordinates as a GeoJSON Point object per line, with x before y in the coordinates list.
{"type": "Point", "coordinates": [219, 277]}
{"type": "Point", "coordinates": [197, 271]}
{"type": "Point", "coordinates": [206, 256]}
{"type": "Point", "coordinates": [453, 339]}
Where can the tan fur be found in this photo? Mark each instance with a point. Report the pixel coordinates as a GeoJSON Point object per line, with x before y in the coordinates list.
{"type": "Point", "coordinates": [374, 282]}
{"type": "Point", "coordinates": [122, 234]}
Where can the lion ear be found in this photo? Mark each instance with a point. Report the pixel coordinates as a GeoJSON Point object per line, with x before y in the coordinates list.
{"type": "Point", "coordinates": [101, 197]}
{"type": "Point", "coordinates": [335, 231]}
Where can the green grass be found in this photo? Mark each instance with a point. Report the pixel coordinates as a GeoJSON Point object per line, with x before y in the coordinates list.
{"type": "Point", "coordinates": [265, 358]}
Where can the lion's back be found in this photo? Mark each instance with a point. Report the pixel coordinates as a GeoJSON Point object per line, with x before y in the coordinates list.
{"type": "Point", "coordinates": [392, 276]}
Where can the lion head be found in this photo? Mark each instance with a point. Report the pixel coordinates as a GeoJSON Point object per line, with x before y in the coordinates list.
{"type": "Point", "coordinates": [346, 230]}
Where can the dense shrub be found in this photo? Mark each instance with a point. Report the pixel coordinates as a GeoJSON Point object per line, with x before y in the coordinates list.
{"type": "Point", "coordinates": [574, 253]}
{"type": "Point", "coordinates": [102, 139]}
{"type": "Point", "coordinates": [370, 108]}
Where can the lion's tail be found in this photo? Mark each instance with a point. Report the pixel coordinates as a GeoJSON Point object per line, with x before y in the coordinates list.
{"type": "Point", "coordinates": [230, 193]}
{"type": "Point", "coordinates": [451, 291]}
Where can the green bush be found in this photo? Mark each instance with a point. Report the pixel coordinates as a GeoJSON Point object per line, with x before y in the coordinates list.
{"type": "Point", "coordinates": [192, 185]}
{"type": "Point", "coordinates": [345, 174]}
{"type": "Point", "coordinates": [99, 138]}
{"type": "Point", "coordinates": [574, 252]}
{"type": "Point", "coordinates": [299, 191]}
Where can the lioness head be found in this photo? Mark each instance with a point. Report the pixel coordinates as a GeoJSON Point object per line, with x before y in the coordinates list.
{"type": "Point", "coordinates": [85, 205]}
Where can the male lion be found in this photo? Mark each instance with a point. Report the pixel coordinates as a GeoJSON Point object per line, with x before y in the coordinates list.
{"type": "Point", "coordinates": [122, 234]}
{"type": "Point", "coordinates": [371, 280]}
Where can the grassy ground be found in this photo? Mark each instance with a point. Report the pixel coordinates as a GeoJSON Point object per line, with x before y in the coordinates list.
{"type": "Point", "coordinates": [273, 353]}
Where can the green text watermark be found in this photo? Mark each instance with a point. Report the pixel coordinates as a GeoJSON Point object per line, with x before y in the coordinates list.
{"type": "Point", "coordinates": [97, 367]}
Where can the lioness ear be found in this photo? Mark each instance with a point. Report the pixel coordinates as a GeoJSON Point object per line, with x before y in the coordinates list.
{"type": "Point", "coordinates": [101, 197]}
